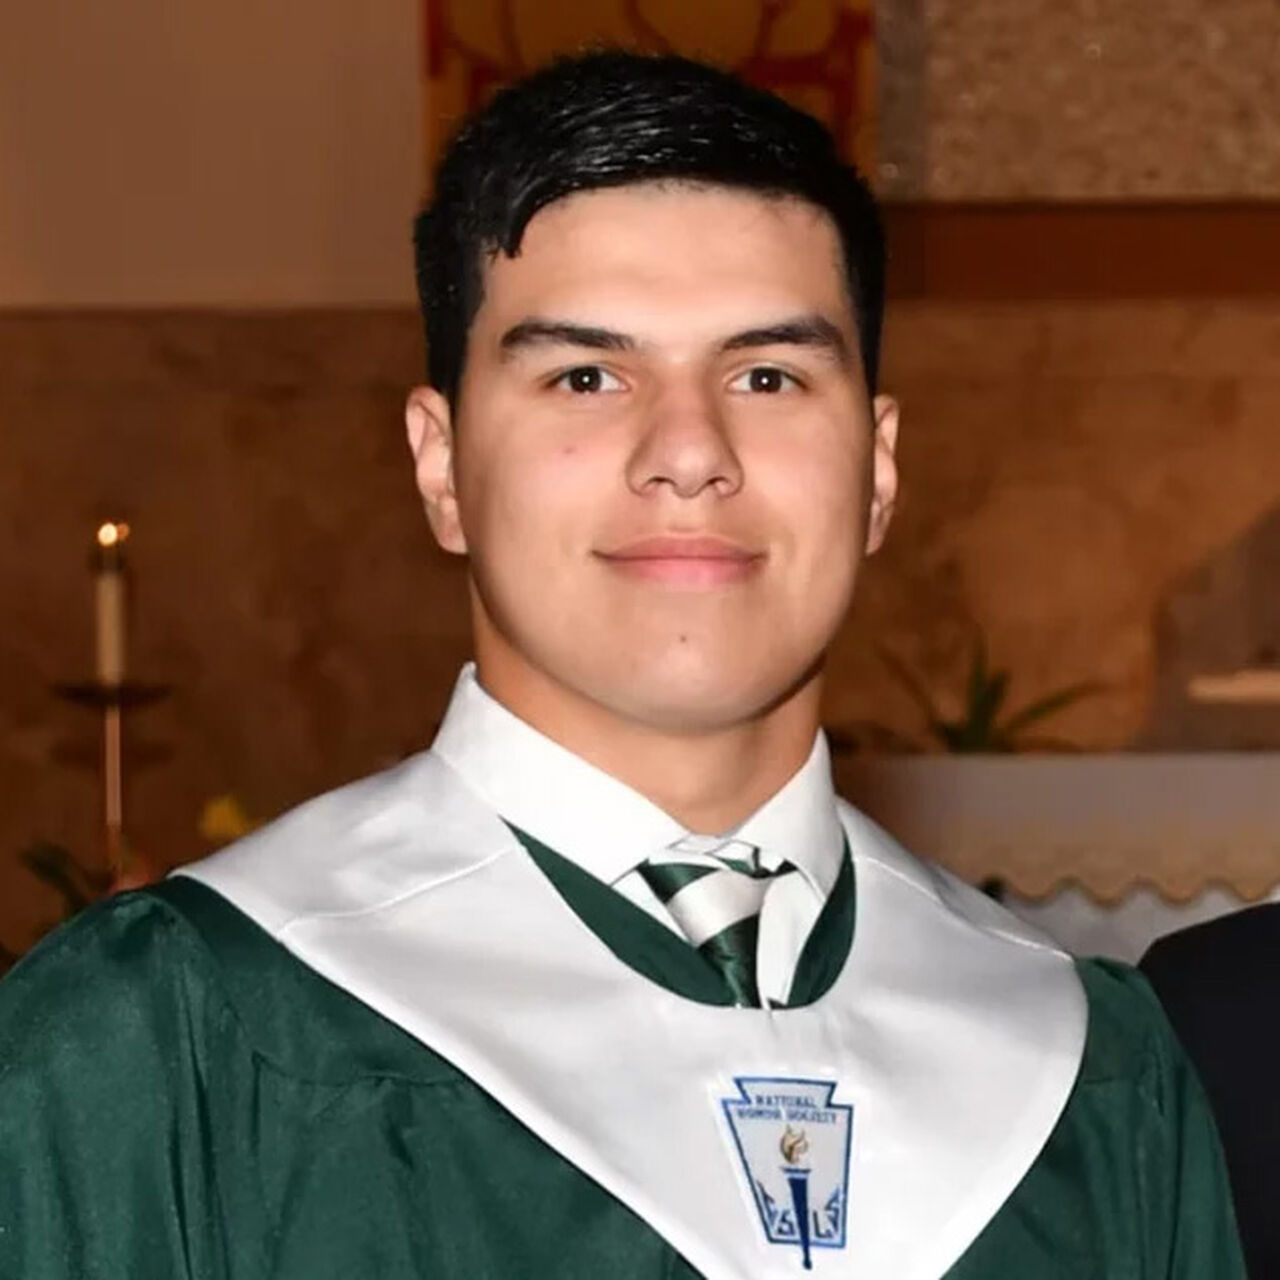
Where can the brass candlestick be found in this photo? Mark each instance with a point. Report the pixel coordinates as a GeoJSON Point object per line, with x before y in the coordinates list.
{"type": "Point", "coordinates": [111, 693]}
{"type": "Point", "coordinates": [113, 701]}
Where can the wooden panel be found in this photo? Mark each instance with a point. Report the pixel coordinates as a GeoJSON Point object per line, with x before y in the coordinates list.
{"type": "Point", "coordinates": [1027, 251]}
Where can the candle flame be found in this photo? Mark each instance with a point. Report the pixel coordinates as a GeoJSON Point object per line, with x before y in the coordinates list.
{"type": "Point", "coordinates": [794, 1144]}
{"type": "Point", "coordinates": [112, 533]}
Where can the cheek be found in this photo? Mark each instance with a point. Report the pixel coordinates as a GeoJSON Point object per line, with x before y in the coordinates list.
{"type": "Point", "coordinates": [521, 503]}
{"type": "Point", "coordinates": [820, 492]}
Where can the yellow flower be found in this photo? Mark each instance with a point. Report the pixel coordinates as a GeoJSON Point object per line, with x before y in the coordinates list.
{"type": "Point", "coordinates": [223, 819]}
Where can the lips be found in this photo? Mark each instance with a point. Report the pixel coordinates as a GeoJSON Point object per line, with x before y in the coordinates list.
{"type": "Point", "coordinates": [669, 548]}
{"type": "Point", "coordinates": [684, 561]}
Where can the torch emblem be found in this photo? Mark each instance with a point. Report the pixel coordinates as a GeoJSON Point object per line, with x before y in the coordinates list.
{"type": "Point", "coordinates": [793, 1145]}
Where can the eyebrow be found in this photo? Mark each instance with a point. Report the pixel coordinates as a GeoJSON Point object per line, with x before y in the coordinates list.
{"type": "Point", "coordinates": [803, 331]}
{"type": "Point", "coordinates": [534, 332]}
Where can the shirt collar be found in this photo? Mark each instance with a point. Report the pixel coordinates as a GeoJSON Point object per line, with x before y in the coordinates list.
{"type": "Point", "coordinates": [604, 826]}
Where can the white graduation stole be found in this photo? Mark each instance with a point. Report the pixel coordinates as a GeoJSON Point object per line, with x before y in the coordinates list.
{"type": "Point", "coordinates": [870, 1135]}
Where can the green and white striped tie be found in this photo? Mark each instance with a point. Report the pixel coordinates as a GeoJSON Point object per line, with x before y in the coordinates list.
{"type": "Point", "coordinates": [716, 901]}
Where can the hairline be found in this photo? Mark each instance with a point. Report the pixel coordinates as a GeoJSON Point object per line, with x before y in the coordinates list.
{"type": "Point", "coordinates": [490, 250]}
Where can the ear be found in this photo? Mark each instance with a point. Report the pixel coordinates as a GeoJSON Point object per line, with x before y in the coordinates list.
{"type": "Point", "coordinates": [884, 471]}
{"type": "Point", "coordinates": [429, 423]}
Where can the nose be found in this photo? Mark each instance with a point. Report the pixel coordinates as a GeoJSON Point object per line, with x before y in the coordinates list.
{"type": "Point", "coordinates": [685, 447]}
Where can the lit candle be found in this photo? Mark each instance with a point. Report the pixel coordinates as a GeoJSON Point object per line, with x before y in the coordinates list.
{"type": "Point", "coordinates": [109, 602]}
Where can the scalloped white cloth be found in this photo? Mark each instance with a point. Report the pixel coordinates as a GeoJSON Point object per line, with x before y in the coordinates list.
{"type": "Point", "coordinates": [1181, 824]}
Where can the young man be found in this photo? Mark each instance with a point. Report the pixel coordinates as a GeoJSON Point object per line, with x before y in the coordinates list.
{"type": "Point", "coordinates": [608, 983]}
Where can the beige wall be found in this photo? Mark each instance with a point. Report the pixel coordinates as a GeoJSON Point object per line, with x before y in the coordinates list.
{"type": "Point", "coordinates": [1077, 99]}
{"type": "Point", "coordinates": [243, 152]}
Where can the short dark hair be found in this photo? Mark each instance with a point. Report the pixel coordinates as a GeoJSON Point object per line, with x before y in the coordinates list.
{"type": "Point", "coordinates": [612, 118]}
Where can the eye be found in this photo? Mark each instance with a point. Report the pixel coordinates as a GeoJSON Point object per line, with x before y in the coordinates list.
{"type": "Point", "coordinates": [763, 379]}
{"type": "Point", "coordinates": [588, 380]}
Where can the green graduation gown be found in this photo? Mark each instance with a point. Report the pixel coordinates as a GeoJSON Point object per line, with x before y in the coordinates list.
{"type": "Point", "coordinates": [180, 1097]}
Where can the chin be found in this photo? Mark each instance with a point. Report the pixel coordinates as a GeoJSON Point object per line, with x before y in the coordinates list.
{"type": "Point", "coordinates": [695, 702]}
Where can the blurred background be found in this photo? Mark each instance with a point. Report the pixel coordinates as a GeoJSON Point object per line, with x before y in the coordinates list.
{"type": "Point", "coordinates": [207, 328]}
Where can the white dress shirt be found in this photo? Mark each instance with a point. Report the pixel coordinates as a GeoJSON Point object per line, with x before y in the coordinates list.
{"type": "Point", "coordinates": [608, 829]}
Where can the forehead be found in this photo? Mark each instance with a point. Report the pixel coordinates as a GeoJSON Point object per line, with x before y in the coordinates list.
{"type": "Point", "coordinates": [658, 253]}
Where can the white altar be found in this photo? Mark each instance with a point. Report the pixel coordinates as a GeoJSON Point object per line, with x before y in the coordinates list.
{"type": "Point", "coordinates": [1104, 852]}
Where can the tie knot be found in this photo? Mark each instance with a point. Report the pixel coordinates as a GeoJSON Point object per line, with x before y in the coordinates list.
{"type": "Point", "coordinates": [716, 901]}
{"type": "Point", "coordinates": [668, 875]}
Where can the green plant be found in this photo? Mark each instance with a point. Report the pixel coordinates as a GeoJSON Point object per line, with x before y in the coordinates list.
{"type": "Point", "coordinates": [76, 886]}
{"type": "Point", "coordinates": [55, 866]}
{"type": "Point", "coordinates": [980, 727]}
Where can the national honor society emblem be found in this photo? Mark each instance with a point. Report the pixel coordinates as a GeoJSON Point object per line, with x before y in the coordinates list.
{"type": "Point", "coordinates": [794, 1144]}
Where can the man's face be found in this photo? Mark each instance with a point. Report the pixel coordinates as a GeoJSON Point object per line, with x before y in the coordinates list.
{"type": "Point", "coordinates": [664, 467]}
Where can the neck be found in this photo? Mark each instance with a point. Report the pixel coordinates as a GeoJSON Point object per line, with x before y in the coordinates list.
{"type": "Point", "coordinates": [708, 779]}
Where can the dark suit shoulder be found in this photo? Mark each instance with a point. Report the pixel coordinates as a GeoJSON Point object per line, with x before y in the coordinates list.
{"type": "Point", "coordinates": [1217, 947]}
{"type": "Point", "coordinates": [1220, 984]}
